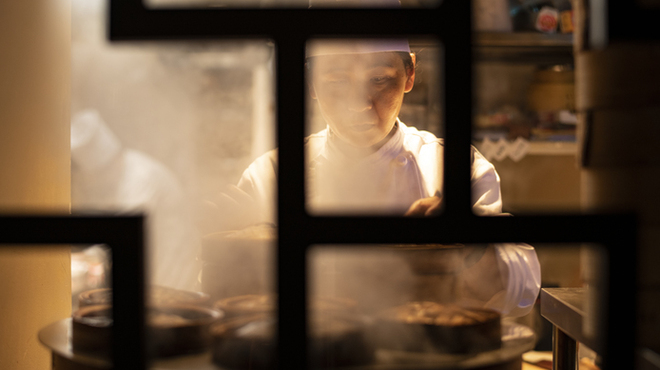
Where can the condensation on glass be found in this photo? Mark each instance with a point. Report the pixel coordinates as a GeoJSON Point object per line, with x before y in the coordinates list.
{"type": "Point", "coordinates": [374, 125]}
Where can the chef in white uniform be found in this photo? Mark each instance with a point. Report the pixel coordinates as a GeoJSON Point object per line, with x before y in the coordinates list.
{"type": "Point", "coordinates": [366, 161]}
{"type": "Point", "coordinates": [110, 178]}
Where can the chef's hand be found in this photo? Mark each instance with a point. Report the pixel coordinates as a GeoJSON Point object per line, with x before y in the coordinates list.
{"type": "Point", "coordinates": [431, 206]}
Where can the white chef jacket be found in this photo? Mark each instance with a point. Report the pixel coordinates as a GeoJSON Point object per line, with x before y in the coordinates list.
{"type": "Point", "coordinates": [407, 168]}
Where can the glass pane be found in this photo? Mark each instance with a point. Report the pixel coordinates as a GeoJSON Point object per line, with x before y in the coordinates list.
{"type": "Point", "coordinates": [162, 128]}
{"type": "Point", "coordinates": [525, 125]}
{"type": "Point", "coordinates": [573, 280]}
{"type": "Point", "coordinates": [374, 126]}
{"type": "Point", "coordinates": [90, 275]}
{"type": "Point", "coordinates": [524, 118]}
{"type": "Point", "coordinates": [290, 3]}
{"type": "Point", "coordinates": [167, 129]}
{"type": "Point", "coordinates": [91, 293]}
{"type": "Point", "coordinates": [445, 305]}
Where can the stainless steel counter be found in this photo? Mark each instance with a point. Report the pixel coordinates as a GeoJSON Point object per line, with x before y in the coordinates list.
{"type": "Point", "coordinates": [564, 308]}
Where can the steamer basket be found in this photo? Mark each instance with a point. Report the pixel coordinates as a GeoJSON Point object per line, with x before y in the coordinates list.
{"type": "Point", "coordinates": [485, 334]}
{"type": "Point", "coordinates": [237, 346]}
{"type": "Point", "coordinates": [173, 330]}
{"type": "Point", "coordinates": [158, 295]}
{"type": "Point", "coordinates": [253, 304]}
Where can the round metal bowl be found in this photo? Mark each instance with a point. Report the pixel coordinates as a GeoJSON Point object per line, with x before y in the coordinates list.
{"type": "Point", "coordinates": [91, 330]}
{"type": "Point", "coordinates": [158, 295]}
{"type": "Point", "coordinates": [247, 342]}
{"type": "Point", "coordinates": [172, 330]}
{"type": "Point", "coordinates": [482, 332]}
{"type": "Point", "coordinates": [252, 304]}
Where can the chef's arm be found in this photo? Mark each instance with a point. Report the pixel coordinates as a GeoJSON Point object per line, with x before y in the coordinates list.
{"type": "Point", "coordinates": [481, 278]}
{"type": "Point", "coordinates": [249, 202]}
{"type": "Point", "coordinates": [231, 209]}
{"type": "Point", "coordinates": [507, 278]}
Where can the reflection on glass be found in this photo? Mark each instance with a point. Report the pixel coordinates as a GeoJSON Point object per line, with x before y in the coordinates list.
{"type": "Point", "coordinates": [368, 151]}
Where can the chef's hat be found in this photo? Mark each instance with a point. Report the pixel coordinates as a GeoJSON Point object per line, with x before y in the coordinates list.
{"type": "Point", "coordinates": [355, 46]}
{"type": "Point", "coordinates": [92, 143]}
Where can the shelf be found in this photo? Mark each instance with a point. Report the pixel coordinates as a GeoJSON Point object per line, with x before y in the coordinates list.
{"type": "Point", "coordinates": [515, 47]}
{"type": "Point", "coordinates": [552, 148]}
{"type": "Point", "coordinates": [517, 151]}
{"type": "Point", "coordinates": [523, 47]}
{"type": "Point", "coordinates": [523, 39]}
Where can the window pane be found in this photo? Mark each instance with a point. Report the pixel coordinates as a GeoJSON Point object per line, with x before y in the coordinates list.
{"type": "Point", "coordinates": [413, 304]}
{"type": "Point", "coordinates": [374, 124]}
{"type": "Point", "coordinates": [90, 275]}
{"type": "Point", "coordinates": [166, 129]}
{"type": "Point", "coordinates": [524, 119]}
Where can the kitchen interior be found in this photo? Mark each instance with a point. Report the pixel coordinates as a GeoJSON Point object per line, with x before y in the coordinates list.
{"type": "Point", "coordinates": [164, 128]}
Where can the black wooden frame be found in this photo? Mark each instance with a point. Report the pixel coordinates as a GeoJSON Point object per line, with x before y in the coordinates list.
{"type": "Point", "coordinates": [450, 22]}
{"type": "Point", "coordinates": [631, 21]}
{"type": "Point", "coordinates": [124, 235]}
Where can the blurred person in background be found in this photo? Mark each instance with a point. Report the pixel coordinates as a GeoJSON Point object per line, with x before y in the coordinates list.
{"type": "Point", "coordinates": [107, 178]}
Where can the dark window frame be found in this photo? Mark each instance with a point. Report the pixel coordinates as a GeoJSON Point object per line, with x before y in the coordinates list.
{"type": "Point", "coordinates": [130, 20]}
{"type": "Point", "coordinates": [124, 235]}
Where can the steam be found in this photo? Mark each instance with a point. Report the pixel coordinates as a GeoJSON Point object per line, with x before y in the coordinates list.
{"type": "Point", "coordinates": [201, 112]}
{"type": "Point", "coordinates": [375, 280]}
{"type": "Point", "coordinates": [188, 117]}
{"type": "Point", "coordinates": [382, 277]}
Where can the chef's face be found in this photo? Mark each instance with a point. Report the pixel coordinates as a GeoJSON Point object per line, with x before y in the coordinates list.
{"type": "Point", "coordinates": [360, 95]}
